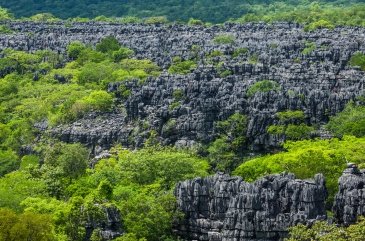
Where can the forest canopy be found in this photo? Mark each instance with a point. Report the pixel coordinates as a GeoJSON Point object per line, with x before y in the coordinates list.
{"type": "Point", "coordinates": [175, 10]}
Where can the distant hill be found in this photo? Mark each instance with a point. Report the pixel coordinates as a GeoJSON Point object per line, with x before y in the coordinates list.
{"type": "Point", "coordinates": [214, 11]}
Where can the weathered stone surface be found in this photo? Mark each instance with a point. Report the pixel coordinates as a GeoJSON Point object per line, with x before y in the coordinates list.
{"type": "Point", "coordinates": [223, 208]}
{"type": "Point", "coordinates": [107, 222]}
{"type": "Point", "coordinates": [320, 82]}
{"type": "Point", "coordinates": [350, 199]}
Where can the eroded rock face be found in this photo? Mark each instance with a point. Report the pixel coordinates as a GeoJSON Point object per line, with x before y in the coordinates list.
{"type": "Point", "coordinates": [318, 81]}
{"type": "Point", "coordinates": [222, 208]}
{"type": "Point", "coordinates": [350, 199]}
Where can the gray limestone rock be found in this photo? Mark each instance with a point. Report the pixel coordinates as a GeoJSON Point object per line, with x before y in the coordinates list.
{"type": "Point", "coordinates": [222, 208]}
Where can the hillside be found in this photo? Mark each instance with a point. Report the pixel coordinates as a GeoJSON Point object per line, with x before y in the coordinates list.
{"type": "Point", "coordinates": [175, 10]}
{"type": "Point", "coordinates": [126, 129]}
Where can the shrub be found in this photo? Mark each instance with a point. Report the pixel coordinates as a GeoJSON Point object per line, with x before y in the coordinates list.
{"type": "Point", "coordinates": [224, 39]}
{"type": "Point", "coordinates": [122, 53]}
{"type": "Point", "coordinates": [182, 67]}
{"type": "Point", "coordinates": [262, 86]}
{"type": "Point", "coordinates": [156, 20]}
{"type": "Point", "coordinates": [309, 48]}
{"type": "Point", "coordinates": [74, 49]}
{"type": "Point", "coordinates": [358, 59]}
{"type": "Point", "coordinates": [319, 24]}
{"type": "Point", "coordinates": [193, 22]}
{"type": "Point", "coordinates": [290, 116]}
{"type": "Point", "coordinates": [350, 121]}
{"type": "Point", "coordinates": [108, 45]}
{"type": "Point", "coordinates": [307, 158]}
{"type": "Point", "coordinates": [239, 51]}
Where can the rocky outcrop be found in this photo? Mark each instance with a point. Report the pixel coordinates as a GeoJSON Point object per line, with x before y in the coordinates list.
{"type": "Point", "coordinates": [311, 69]}
{"type": "Point", "coordinates": [222, 208]}
{"type": "Point", "coordinates": [103, 220]}
{"type": "Point", "coordinates": [350, 199]}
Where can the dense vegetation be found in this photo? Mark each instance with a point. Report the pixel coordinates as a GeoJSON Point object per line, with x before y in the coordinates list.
{"type": "Point", "coordinates": [51, 193]}
{"type": "Point", "coordinates": [325, 13]}
{"type": "Point", "coordinates": [322, 231]}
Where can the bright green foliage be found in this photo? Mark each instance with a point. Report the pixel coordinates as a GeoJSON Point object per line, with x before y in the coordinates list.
{"type": "Point", "coordinates": [63, 163]}
{"type": "Point", "coordinates": [291, 115]}
{"type": "Point", "coordinates": [262, 86]}
{"type": "Point", "coordinates": [322, 231]}
{"type": "Point", "coordinates": [182, 67]}
{"type": "Point", "coordinates": [290, 125]}
{"type": "Point", "coordinates": [315, 15]}
{"type": "Point", "coordinates": [29, 161]}
{"type": "Point", "coordinates": [156, 20]}
{"type": "Point", "coordinates": [193, 22]}
{"type": "Point", "coordinates": [5, 14]}
{"type": "Point", "coordinates": [17, 186]}
{"type": "Point", "coordinates": [224, 39]}
{"type": "Point", "coordinates": [166, 167]}
{"type": "Point", "coordinates": [319, 24]}
{"type": "Point", "coordinates": [292, 131]}
{"type": "Point", "coordinates": [74, 49]}
{"type": "Point", "coordinates": [309, 48]}
{"type": "Point", "coordinates": [25, 227]}
{"type": "Point", "coordinates": [9, 161]}
{"type": "Point", "coordinates": [122, 53]}
{"type": "Point", "coordinates": [308, 157]}
{"type": "Point", "coordinates": [358, 59]}
{"type": "Point", "coordinates": [108, 45]}
{"type": "Point", "coordinates": [351, 121]}
{"type": "Point", "coordinates": [44, 17]}
{"type": "Point", "coordinates": [215, 53]}
{"type": "Point", "coordinates": [239, 51]}
{"type": "Point", "coordinates": [224, 152]}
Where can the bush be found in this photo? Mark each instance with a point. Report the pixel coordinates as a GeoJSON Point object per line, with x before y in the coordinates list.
{"type": "Point", "coordinates": [224, 152]}
{"type": "Point", "coordinates": [307, 158]}
{"type": "Point", "coordinates": [309, 48]}
{"type": "Point", "coordinates": [262, 86]}
{"type": "Point", "coordinates": [9, 162]}
{"type": "Point", "coordinates": [193, 22]}
{"type": "Point", "coordinates": [319, 24]}
{"type": "Point", "coordinates": [350, 121]}
{"type": "Point", "coordinates": [224, 39]}
{"type": "Point", "coordinates": [291, 116]}
{"type": "Point", "coordinates": [156, 20]}
{"type": "Point", "coordinates": [358, 59]}
{"type": "Point", "coordinates": [74, 49]}
{"type": "Point", "coordinates": [108, 45]}
{"type": "Point", "coordinates": [323, 231]}
{"type": "Point", "coordinates": [182, 67]}
{"type": "Point", "coordinates": [122, 53]}
{"type": "Point", "coordinates": [239, 51]}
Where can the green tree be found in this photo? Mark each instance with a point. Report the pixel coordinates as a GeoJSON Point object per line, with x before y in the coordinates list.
{"type": "Point", "coordinates": [108, 45]}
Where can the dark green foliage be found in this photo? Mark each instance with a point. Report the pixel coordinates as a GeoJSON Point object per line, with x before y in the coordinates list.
{"type": "Point", "coordinates": [291, 125]}
{"type": "Point", "coordinates": [224, 39]}
{"type": "Point", "coordinates": [309, 48]}
{"type": "Point", "coordinates": [74, 49]}
{"type": "Point", "coordinates": [122, 53]}
{"type": "Point", "coordinates": [351, 121]}
{"type": "Point", "coordinates": [318, 14]}
{"type": "Point", "coordinates": [225, 151]}
{"type": "Point", "coordinates": [262, 86]}
{"type": "Point", "coordinates": [239, 51]}
{"type": "Point", "coordinates": [182, 67]}
{"type": "Point", "coordinates": [108, 45]}
{"type": "Point", "coordinates": [358, 59]}
{"type": "Point", "coordinates": [9, 161]}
